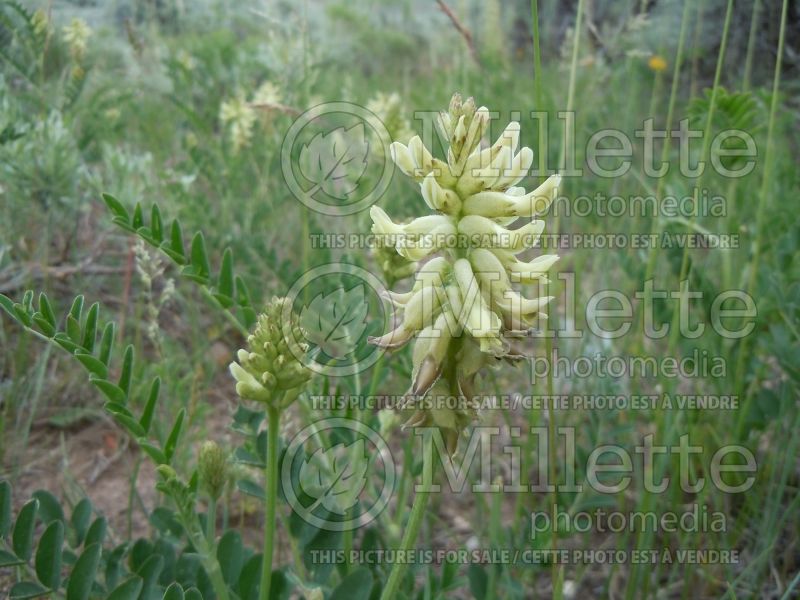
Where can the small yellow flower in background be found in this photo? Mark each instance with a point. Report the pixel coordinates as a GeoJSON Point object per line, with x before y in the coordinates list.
{"type": "Point", "coordinates": [240, 117]}
{"type": "Point", "coordinates": [77, 35]}
{"type": "Point", "coordinates": [657, 63]}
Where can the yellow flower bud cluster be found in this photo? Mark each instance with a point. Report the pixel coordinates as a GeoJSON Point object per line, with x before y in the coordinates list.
{"type": "Point", "coordinates": [269, 371]}
{"type": "Point", "coordinates": [462, 309]}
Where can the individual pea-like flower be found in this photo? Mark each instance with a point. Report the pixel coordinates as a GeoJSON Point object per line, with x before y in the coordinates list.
{"type": "Point", "coordinates": [240, 117]}
{"type": "Point", "coordinates": [462, 310]}
{"type": "Point", "coordinates": [269, 370]}
{"type": "Point", "coordinates": [76, 35]}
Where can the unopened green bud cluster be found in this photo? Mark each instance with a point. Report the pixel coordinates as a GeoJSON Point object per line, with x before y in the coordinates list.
{"type": "Point", "coordinates": [270, 370]}
{"type": "Point", "coordinates": [212, 469]}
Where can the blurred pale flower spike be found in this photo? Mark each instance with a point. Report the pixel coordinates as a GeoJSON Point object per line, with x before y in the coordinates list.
{"type": "Point", "coordinates": [240, 117]}
{"type": "Point", "coordinates": [77, 35]}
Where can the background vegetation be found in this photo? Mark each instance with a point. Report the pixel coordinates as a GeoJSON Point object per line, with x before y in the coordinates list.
{"type": "Point", "coordinates": [152, 109]}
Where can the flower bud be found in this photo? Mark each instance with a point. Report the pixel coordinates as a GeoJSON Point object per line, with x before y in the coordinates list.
{"type": "Point", "coordinates": [401, 156]}
{"type": "Point", "coordinates": [272, 366]}
{"type": "Point", "coordinates": [439, 198]}
{"type": "Point", "coordinates": [212, 469]}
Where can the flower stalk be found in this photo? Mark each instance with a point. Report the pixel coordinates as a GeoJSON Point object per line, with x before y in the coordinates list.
{"type": "Point", "coordinates": [463, 313]}
{"type": "Point", "coordinates": [271, 371]}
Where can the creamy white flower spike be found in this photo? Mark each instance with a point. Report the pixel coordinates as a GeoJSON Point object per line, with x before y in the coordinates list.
{"type": "Point", "coordinates": [462, 309]}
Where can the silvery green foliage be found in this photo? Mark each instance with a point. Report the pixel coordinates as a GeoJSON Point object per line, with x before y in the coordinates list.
{"type": "Point", "coordinates": [42, 163]}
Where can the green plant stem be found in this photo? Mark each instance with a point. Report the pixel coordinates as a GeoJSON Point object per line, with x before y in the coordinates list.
{"type": "Point", "coordinates": [751, 44]}
{"type": "Point", "coordinates": [656, 224]}
{"type": "Point", "coordinates": [271, 492]}
{"type": "Point", "coordinates": [552, 469]}
{"type": "Point", "coordinates": [674, 329]}
{"type": "Point", "coordinates": [412, 530]}
{"type": "Point", "coordinates": [229, 316]}
{"type": "Point", "coordinates": [132, 494]}
{"type": "Point", "coordinates": [555, 572]}
{"type": "Point", "coordinates": [211, 521]}
{"type": "Point", "coordinates": [208, 556]}
{"type": "Point", "coordinates": [537, 58]}
{"type": "Point", "coordinates": [762, 202]}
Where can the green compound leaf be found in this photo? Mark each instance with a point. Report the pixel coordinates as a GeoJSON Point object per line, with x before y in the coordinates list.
{"type": "Point", "coordinates": [49, 507]}
{"type": "Point", "coordinates": [26, 589]}
{"type": "Point", "coordinates": [83, 574]}
{"type": "Point", "coordinates": [200, 256]}
{"type": "Point", "coordinates": [90, 327]}
{"type": "Point", "coordinates": [48, 555]}
{"type": "Point", "coordinates": [7, 304]}
{"type": "Point", "coordinates": [76, 309]}
{"type": "Point", "coordinates": [116, 207]}
{"type": "Point", "coordinates": [79, 522]}
{"type": "Point", "coordinates": [230, 554]}
{"type": "Point", "coordinates": [96, 532]}
{"type": "Point", "coordinates": [106, 343]}
{"type": "Point", "coordinates": [94, 365]}
{"type": "Point", "coordinates": [150, 406]}
{"type": "Point", "coordinates": [47, 309]}
{"type": "Point", "coordinates": [356, 586]}
{"type": "Point", "coordinates": [127, 590]}
{"type": "Point", "coordinates": [44, 325]}
{"type": "Point", "coordinates": [111, 390]}
{"type": "Point", "coordinates": [226, 288]}
{"type": "Point", "coordinates": [5, 508]}
{"type": "Point", "coordinates": [22, 538]}
{"type": "Point", "coordinates": [156, 227]}
{"type": "Point", "coordinates": [127, 370]}
{"type": "Point", "coordinates": [9, 560]}
{"type": "Point", "coordinates": [172, 440]}
{"type": "Point", "coordinates": [174, 592]}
